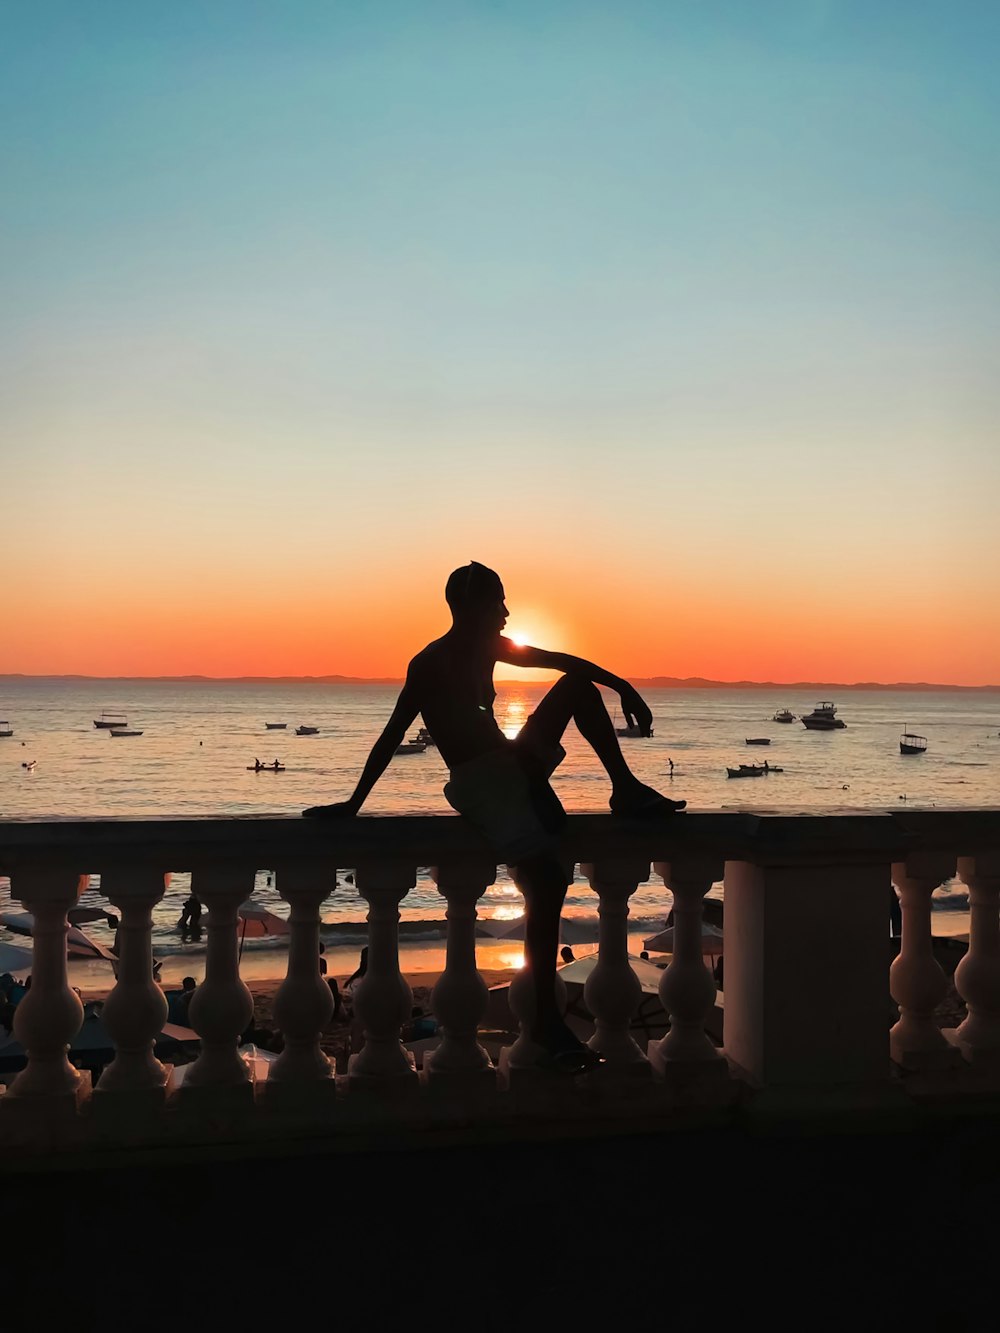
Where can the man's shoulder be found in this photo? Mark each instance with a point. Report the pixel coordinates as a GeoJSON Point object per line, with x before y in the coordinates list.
{"type": "Point", "coordinates": [428, 659]}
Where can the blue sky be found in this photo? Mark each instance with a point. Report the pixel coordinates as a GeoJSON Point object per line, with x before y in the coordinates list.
{"type": "Point", "coordinates": [674, 265]}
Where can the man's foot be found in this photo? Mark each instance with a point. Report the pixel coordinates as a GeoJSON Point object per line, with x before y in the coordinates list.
{"type": "Point", "coordinates": [642, 802]}
{"type": "Point", "coordinates": [342, 810]}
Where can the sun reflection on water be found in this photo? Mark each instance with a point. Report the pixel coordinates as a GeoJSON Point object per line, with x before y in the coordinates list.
{"type": "Point", "coordinates": [514, 715]}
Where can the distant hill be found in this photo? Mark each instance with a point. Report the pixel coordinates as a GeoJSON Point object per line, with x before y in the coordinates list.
{"type": "Point", "coordinates": [647, 682]}
{"type": "Point", "coordinates": [815, 686]}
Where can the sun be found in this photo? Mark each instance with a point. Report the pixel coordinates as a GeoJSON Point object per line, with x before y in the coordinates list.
{"type": "Point", "coordinates": [519, 637]}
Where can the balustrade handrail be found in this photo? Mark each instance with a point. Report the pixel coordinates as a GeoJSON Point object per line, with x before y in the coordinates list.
{"type": "Point", "coordinates": [841, 835]}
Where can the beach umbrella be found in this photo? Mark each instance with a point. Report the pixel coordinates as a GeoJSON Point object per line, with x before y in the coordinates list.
{"type": "Point", "coordinates": [14, 958]}
{"type": "Point", "coordinates": [78, 945]}
{"type": "Point", "coordinates": [92, 1046]}
{"type": "Point", "coordinates": [711, 941]}
{"type": "Point", "coordinates": [257, 922]}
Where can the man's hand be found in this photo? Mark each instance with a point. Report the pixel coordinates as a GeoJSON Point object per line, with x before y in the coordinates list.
{"type": "Point", "coordinates": [636, 711]}
{"type": "Point", "coordinates": [341, 810]}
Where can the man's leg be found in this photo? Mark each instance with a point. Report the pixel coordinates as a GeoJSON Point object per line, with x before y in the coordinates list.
{"type": "Point", "coordinates": [542, 880]}
{"type": "Point", "coordinates": [573, 698]}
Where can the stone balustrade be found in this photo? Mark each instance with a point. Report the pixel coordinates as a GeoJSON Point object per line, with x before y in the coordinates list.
{"type": "Point", "coordinates": [807, 974]}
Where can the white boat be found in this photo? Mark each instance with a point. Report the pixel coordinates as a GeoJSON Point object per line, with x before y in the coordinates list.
{"type": "Point", "coordinates": [411, 747]}
{"type": "Point", "coordinates": [307, 731]}
{"type": "Point", "coordinates": [123, 731]}
{"type": "Point", "coordinates": [784, 715]}
{"type": "Point", "coordinates": [823, 718]}
{"type": "Point", "coordinates": [631, 731]}
{"type": "Point", "coordinates": [6, 729]}
{"type": "Point", "coordinates": [115, 720]}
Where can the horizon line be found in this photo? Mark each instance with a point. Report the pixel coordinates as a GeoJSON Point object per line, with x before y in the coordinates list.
{"type": "Point", "coordinates": [654, 682]}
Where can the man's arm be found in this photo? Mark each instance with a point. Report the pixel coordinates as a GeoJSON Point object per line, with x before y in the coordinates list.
{"type": "Point", "coordinates": [395, 729]}
{"type": "Point", "coordinates": [634, 707]}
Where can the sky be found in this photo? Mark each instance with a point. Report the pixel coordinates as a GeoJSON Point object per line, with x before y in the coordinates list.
{"type": "Point", "coordinates": [683, 315]}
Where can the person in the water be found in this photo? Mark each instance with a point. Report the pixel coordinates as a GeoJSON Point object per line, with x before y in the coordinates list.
{"type": "Point", "coordinates": [502, 785]}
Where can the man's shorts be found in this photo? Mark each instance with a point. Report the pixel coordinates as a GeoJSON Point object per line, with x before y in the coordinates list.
{"type": "Point", "coordinates": [505, 793]}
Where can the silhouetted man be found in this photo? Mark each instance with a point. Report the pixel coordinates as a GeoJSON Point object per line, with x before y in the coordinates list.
{"type": "Point", "coordinates": [502, 786]}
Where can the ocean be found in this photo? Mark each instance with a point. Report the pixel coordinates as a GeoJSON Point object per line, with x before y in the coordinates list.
{"type": "Point", "coordinates": [199, 737]}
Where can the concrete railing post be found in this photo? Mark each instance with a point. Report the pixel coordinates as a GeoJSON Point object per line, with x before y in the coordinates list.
{"type": "Point", "coordinates": [136, 1010]}
{"type": "Point", "coordinates": [687, 988]}
{"type": "Point", "coordinates": [50, 1015]}
{"type": "Point", "coordinates": [222, 1006]}
{"type": "Point", "coordinates": [383, 1001]}
{"type": "Point", "coordinates": [916, 978]}
{"type": "Point", "coordinates": [304, 1002]}
{"type": "Point", "coordinates": [977, 977]}
{"type": "Point", "coordinates": [461, 996]}
{"type": "Point", "coordinates": [805, 943]}
{"type": "Point", "coordinates": [612, 992]}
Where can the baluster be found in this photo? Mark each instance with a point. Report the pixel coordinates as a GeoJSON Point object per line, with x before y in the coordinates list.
{"type": "Point", "coordinates": [687, 988]}
{"type": "Point", "coordinates": [461, 996]}
{"type": "Point", "coordinates": [222, 1006]}
{"type": "Point", "coordinates": [383, 1001]}
{"type": "Point", "coordinates": [916, 979]}
{"type": "Point", "coordinates": [977, 977]}
{"type": "Point", "coordinates": [303, 1004]}
{"type": "Point", "coordinates": [613, 992]}
{"type": "Point", "coordinates": [50, 1015]}
{"type": "Point", "coordinates": [136, 1010]}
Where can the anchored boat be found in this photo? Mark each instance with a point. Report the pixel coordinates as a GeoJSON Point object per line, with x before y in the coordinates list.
{"type": "Point", "coordinates": [823, 718]}
{"type": "Point", "coordinates": [911, 743]}
{"type": "Point", "coordinates": [108, 721]}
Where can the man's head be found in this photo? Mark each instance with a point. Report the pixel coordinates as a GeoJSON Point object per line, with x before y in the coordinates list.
{"type": "Point", "coordinates": [475, 595]}
{"type": "Point", "coordinates": [188, 983]}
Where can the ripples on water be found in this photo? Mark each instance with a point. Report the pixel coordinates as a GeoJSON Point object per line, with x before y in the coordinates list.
{"type": "Point", "coordinates": [198, 739]}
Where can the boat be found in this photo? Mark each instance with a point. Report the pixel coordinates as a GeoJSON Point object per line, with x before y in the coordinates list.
{"type": "Point", "coordinates": [307, 731]}
{"type": "Point", "coordinates": [632, 731]}
{"type": "Point", "coordinates": [266, 768]}
{"type": "Point", "coordinates": [411, 747]}
{"type": "Point", "coordinates": [758, 740]}
{"type": "Point", "coordinates": [753, 770]}
{"type": "Point", "coordinates": [115, 720]}
{"type": "Point", "coordinates": [276, 726]}
{"type": "Point", "coordinates": [911, 743]}
{"type": "Point", "coordinates": [784, 715]}
{"type": "Point", "coordinates": [823, 718]}
{"type": "Point", "coordinates": [6, 729]}
{"type": "Point", "coordinates": [123, 731]}
{"type": "Point", "coordinates": [424, 735]}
